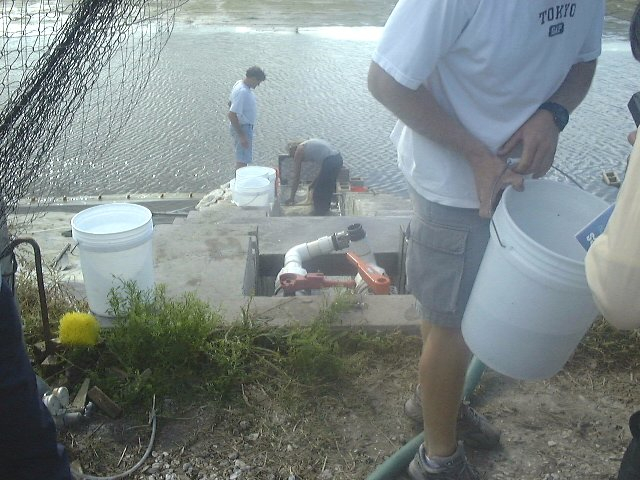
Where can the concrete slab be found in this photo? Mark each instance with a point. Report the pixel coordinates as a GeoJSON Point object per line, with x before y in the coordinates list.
{"type": "Point", "coordinates": [205, 252]}
{"type": "Point", "coordinates": [207, 255]}
{"type": "Point", "coordinates": [202, 258]}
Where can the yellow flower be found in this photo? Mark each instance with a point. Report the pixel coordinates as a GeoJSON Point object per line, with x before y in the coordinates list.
{"type": "Point", "coordinates": [78, 328]}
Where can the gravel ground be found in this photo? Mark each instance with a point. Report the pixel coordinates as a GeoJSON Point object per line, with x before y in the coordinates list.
{"type": "Point", "coordinates": [570, 427]}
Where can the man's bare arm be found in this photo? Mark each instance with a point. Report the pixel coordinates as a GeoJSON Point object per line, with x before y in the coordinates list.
{"type": "Point", "coordinates": [538, 136]}
{"type": "Point", "coordinates": [297, 169]}
{"type": "Point", "coordinates": [420, 111]}
{"type": "Point", "coordinates": [235, 122]}
{"type": "Point", "coordinates": [576, 85]}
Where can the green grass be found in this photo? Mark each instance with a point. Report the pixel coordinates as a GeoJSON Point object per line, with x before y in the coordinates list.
{"type": "Point", "coordinates": [181, 348]}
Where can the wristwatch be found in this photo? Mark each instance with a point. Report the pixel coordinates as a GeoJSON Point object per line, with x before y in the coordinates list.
{"type": "Point", "coordinates": [560, 114]}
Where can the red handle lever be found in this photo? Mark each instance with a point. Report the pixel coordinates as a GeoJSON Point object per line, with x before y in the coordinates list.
{"type": "Point", "coordinates": [378, 282]}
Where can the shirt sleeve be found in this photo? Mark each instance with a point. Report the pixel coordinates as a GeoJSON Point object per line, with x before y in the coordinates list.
{"type": "Point", "coordinates": [417, 34]}
{"type": "Point", "coordinates": [593, 44]}
{"type": "Point", "coordinates": [237, 101]}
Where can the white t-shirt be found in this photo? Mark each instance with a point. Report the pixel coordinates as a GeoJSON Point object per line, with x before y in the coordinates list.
{"type": "Point", "coordinates": [490, 64]}
{"type": "Point", "coordinates": [243, 103]}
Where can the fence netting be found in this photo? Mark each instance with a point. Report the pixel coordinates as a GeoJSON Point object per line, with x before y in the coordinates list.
{"type": "Point", "coordinates": [71, 73]}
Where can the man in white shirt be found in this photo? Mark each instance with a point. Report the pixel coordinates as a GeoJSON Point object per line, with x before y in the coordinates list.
{"type": "Point", "coordinates": [243, 113]}
{"type": "Point", "coordinates": [473, 83]}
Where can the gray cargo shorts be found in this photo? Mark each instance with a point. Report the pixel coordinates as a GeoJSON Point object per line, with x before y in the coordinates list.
{"type": "Point", "coordinates": [446, 246]}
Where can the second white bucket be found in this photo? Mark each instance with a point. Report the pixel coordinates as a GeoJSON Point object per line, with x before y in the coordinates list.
{"type": "Point", "coordinates": [530, 305]}
{"type": "Point", "coordinates": [259, 171]}
{"type": "Point", "coordinates": [252, 192]}
{"type": "Point", "coordinates": [114, 241]}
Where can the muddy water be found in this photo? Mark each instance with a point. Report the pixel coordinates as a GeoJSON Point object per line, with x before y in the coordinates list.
{"type": "Point", "coordinates": [316, 56]}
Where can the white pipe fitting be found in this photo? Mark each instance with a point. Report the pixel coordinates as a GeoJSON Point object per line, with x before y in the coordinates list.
{"type": "Point", "coordinates": [301, 253]}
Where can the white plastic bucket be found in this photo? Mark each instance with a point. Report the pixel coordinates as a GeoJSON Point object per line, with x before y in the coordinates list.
{"type": "Point", "coordinates": [251, 192]}
{"type": "Point", "coordinates": [114, 241]}
{"type": "Point", "coordinates": [259, 171]}
{"type": "Point", "coordinates": [530, 304]}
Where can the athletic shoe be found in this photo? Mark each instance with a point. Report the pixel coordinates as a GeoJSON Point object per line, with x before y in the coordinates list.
{"type": "Point", "coordinates": [630, 465]}
{"type": "Point", "coordinates": [457, 468]}
{"type": "Point", "coordinates": [473, 429]}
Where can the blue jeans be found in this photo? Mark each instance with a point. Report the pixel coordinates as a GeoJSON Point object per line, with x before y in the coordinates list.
{"type": "Point", "coordinates": [28, 448]}
{"type": "Point", "coordinates": [242, 154]}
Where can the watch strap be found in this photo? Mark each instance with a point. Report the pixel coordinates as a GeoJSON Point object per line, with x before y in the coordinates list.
{"type": "Point", "coordinates": [560, 114]}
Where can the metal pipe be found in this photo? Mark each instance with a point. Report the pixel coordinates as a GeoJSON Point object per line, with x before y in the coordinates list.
{"type": "Point", "coordinates": [44, 311]}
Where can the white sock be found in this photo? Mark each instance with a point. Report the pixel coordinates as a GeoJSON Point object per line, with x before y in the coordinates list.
{"type": "Point", "coordinates": [439, 462]}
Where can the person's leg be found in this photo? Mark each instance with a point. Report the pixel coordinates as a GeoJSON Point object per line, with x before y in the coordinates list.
{"type": "Point", "coordinates": [243, 155]}
{"type": "Point", "coordinates": [630, 465]}
{"type": "Point", "coordinates": [442, 368]}
{"type": "Point", "coordinates": [28, 448]}
{"type": "Point", "coordinates": [472, 428]}
{"type": "Point", "coordinates": [445, 249]}
{"type": "Point", "coordinates": [324, 185]}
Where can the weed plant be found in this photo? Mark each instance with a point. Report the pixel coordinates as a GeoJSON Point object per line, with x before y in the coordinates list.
{"type": "Point", "coordinates": [606, 348]}
{"type": "Point", "coordinates": [181, 348]}
{"type": "Point", "coordinates": [59, 300]}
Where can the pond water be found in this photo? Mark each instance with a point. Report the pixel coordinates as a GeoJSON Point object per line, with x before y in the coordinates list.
{"type": "Point", "coordinates": [177, 139]}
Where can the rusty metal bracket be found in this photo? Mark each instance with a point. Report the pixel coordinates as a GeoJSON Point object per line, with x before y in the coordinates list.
{"type": "Point", "coordinates": [49, 345]}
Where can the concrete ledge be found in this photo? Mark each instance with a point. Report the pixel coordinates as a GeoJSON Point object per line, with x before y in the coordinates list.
{"type": "Point", "coordinates": [205, 253]}
{"type": "Point", "coordinates": [370, 312]}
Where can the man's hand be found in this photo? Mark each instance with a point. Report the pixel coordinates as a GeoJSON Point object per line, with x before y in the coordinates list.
{"type": "Point", "coordinates": [244, 140]}
{"type": "Point", "coordinates": [492, 175]}
{"type": "Point", "coordinates": [538, 138]}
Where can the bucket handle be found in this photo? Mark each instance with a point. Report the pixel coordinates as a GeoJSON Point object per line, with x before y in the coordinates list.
{"type": "Point", "coordinates": [253, 199]}
{"type": "Point", "coordinates": [493, 224]}
{"type": "Point", "coordinates": [493, 192]}
{"type": "Point", "coordinates": [496, 184]}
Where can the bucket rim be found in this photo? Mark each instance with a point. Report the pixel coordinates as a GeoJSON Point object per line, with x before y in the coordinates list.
{"type": "Point", "coordinates": [240, 182]}
{"type": "Point", "coordinates": [145, 217]}
{"type": "Point", "coordinates": [509, 192]}
{"type": "Point", "coordinates": [252, 171]}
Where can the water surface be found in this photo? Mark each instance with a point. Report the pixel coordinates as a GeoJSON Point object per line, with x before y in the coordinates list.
{"type": "Point", "coordinates": [316, 55]}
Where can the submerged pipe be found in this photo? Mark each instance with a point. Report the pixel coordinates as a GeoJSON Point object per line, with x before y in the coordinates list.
{"type": "Point", "coordinates": [399, 461]}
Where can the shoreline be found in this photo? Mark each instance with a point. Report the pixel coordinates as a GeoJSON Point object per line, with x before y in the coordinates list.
{"type": "Point", "coordinates": [287, 13]}
{"type": "Point", "coordinates": [79, 202]}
